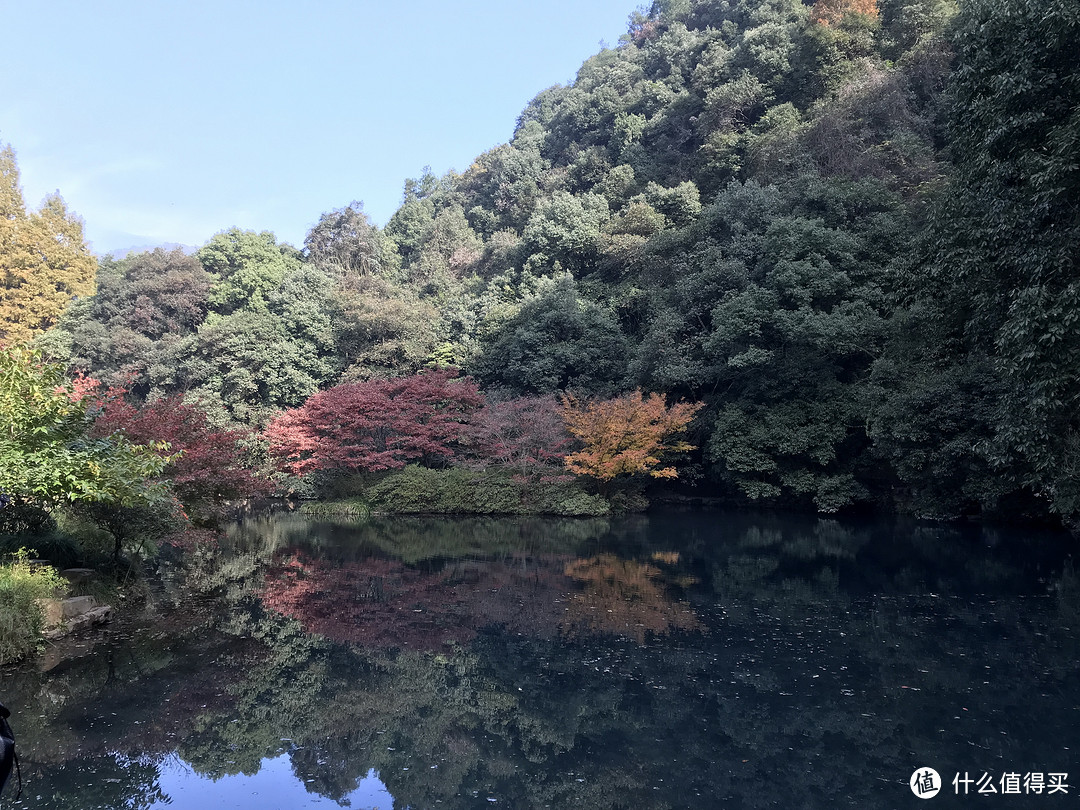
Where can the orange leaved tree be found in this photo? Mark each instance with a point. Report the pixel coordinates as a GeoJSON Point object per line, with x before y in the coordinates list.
{"type": "Point", "coordinates": [627, 435]}
{"type": "Point", "coordinates": [831, 12]}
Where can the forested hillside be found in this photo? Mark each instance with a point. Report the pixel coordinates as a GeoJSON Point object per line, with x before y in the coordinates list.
{"type": "Point", "coordinates": [849, 229]}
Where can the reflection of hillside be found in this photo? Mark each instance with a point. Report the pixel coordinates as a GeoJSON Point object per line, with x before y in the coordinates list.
{"type": "Point", "coordinates": [800, 563]}
{"type": "Point", "coordinates": [829, 661]}
{"type": "Point", "coordinates": [416, 539]}
{"type": "Point", "coordinates": [625, 597]}
{"type": "Point", "coordinates": [97, 726]}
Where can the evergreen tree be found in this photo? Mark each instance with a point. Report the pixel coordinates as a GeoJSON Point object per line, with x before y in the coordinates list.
{"type": "Point", "coordinates": [44, 260]}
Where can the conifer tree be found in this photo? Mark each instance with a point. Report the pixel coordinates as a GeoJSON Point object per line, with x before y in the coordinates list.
{"type": "Point", "coordinates": [44, 260]}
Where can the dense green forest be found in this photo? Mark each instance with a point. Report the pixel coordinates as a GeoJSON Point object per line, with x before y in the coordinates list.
{"type": "Point", "coordinates": [848, 229]}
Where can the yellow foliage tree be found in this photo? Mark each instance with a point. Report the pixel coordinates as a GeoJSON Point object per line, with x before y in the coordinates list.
{"type": "Point", "coordinates": [44, 260]}
{"type": "Point", "coordinates": [626, 435]}
{"type": "Point", "coordinates": [830, 12]}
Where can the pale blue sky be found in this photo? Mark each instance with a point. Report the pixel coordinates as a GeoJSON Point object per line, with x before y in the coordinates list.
{"type": "Point", "coordinates": [167, 122]}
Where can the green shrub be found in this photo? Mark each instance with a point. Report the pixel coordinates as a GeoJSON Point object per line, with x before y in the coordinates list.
{"type": "Point", "coordinates": [350, 507]}
{"type": "Point", "coordinates": [456, 491]}
{"type": "Point", "coordinates": [570, 501]}
{"type": "Point", "coordinates": [58, 547]}
{"type": "Point", "coordinates": [93, 543]}
{"type": "Point", "coordinates": [21, 618]}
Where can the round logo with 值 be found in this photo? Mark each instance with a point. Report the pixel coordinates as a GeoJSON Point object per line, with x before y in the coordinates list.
{"type": "Point", "coordinates": [925, 783]}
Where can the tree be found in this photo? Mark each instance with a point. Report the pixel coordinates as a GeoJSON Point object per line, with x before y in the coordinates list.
{"type": "Point", "coordinates": [44, 260]}
{"type": "Point", "coordinates": [627, 435]}
{"type": "Point", "coordinates": [382, 329]}
{"type": "Point", "coordinates": [247, 268]}
{"type": "Point", "coordinates": [1016, 125]}
{"type": "Point", "coordinates": [527, 434]}
{"type": "Point", "coordinates": [775, 313]}
{"type": "Point", "coordinates": [1003, 248]}
{"type": "Point", "coordinates": [449, 250]}
{"type": "Point", "coordinates": [567, 230]}
{"type": "Point", "coordinates": [831, 12]}
{"type": "Point", "coordinates": [557, 341]}
{"type": "Point", "coordinates": [48, 455]}
{"type": "Point", "coordinates": [143, 303]}
{"type": "Point", "coordinates": [798, 335]}
{"type": "Point", "coordinates": [346, 243]}
{"type": "Point", "coordinates": [243, 366]}
{"type": "Point", "coordinates": [158, 293]}
{"type": "Point", "coordinates": [206, 469]}
{"type": "Point", "coordinates": [376, 425]}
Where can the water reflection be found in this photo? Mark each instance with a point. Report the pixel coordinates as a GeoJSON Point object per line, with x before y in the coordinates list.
{"type": "Point", "coordinates": [626, 597]}
{"type": "Point", "coordinates": [683, 660]}
{"type": "Point", "coordinates": [384, 603]}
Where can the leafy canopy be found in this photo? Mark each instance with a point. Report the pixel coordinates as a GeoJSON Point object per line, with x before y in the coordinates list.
{"type": "Point", "coordinates": [627, 435]}
{"type": "Point", "coordinates": [48, 455]}
{"type": "Point", "coordinates": [377, 424]}
{"type": "Point", "coordinates": [44, 260]}
{"type": "Point", "coordinates": [208, 468]}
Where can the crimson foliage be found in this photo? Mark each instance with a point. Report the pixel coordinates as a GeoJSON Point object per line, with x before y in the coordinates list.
{"type": "Point", "coordinates": [377, 424]}
{"type": "Point", "coordinates": [208, 472]}
{"type": "Point", "coordinates": [526, 434]}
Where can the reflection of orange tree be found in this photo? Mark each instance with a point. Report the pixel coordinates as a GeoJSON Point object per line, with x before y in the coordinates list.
{"type": "Point", "coordinates": [625, 597]}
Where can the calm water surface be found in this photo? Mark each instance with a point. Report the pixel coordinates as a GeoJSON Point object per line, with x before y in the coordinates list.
{"type": "Point", "coordinates": [678, 660]}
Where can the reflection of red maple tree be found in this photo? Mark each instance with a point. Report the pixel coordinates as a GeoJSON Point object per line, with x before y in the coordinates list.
{"type": "Point", "coordinates": [383, 603]}
{"type": "Point", "coordinates": [376, 602]}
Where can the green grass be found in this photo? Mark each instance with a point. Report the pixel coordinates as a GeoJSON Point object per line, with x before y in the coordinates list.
{"type": "Point", "coordinates": [21, 619]}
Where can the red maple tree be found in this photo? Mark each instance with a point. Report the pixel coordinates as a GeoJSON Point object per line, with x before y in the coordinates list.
{"type": "Point", "coordinates": [377, 424]}
{"type": "Point", "coordinates": [208, 472]}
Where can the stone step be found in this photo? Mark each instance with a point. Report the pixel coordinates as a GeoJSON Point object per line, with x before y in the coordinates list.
{"type": "Point", "coordinates": [92, 617]}
{"type": "Point", "coordinates": [77, 605]}
{"type": "Point", "coordinates": [63, 616]}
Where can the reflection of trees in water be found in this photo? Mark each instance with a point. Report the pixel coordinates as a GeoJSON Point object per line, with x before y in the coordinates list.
{"type": "Point", "coordinates": [626, 597]}
{"type": "Point", "coordinates": [383, 603]}
{"type": "Point", "coordinates": [413, 539]}
{"type": "Point", "coordinates": [416, 539]}
{"type": "Point", "coordinates": [812, 688]}
{"type": "Point", "coordinates": [867, 646]}
{"type": "Point", "coordinates": [106, 782]}
{"type": "Point", "coordinates": [515, 717]}
{"type": "Point", "coordinates": [93, 729]}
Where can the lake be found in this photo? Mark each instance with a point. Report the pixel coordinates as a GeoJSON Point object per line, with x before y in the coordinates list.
{"type": "Point", "coordinates": [681, 659]}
